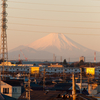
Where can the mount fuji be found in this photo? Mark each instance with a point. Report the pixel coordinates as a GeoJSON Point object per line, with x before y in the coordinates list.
{"type": "Point", "coordinates": [54, 43]}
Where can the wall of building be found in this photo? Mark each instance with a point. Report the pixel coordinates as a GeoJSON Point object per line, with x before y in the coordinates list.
{"type": "Point", "coordinates": [34, 70]}
{"type": "Point", "coordinates": [5, 85]}
{"type": "Point", "coordinates": [90, 70]}
{"type": "Point", "coordinates": [82, 58]}
{"type": "Point", "coordinates": [16, 91]}
{"type": "Point", "coordinates": [84, 85]}
{"type": "Point", "coordinates": [93, 89]}
{"type": "Point", "coordinates": [60, 70]}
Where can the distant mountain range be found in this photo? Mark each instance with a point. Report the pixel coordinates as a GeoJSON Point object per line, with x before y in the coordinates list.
{"type": "Point", "coordinates": [54, 43]}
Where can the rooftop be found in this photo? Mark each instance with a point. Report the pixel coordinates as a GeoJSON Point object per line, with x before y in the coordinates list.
{"type": "Point", "coordinates": [14, 82]}
{"type": "Point", "coordinates": [41, 95]}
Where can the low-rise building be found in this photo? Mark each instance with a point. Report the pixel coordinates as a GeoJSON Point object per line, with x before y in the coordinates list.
{"type": "Point", "coordinates": [82, 58]}
{"type": "Point", "coordinates": [56, 65]}
{"type": "Point", "coordinates": [11, 88]}
{"type": "Point", "coordinates": [60, 70]}
{"type": "Point", "coordinates": [93, 88]}
{"type": "Point", "coordinates": [92, 70]}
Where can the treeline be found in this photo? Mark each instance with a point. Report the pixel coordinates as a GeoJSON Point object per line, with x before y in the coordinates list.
{"type": "Point", "coordinates": [79, 64]}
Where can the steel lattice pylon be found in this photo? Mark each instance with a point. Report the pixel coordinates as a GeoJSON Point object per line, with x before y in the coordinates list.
{"type": "Point", "coordinates": [3, 45]}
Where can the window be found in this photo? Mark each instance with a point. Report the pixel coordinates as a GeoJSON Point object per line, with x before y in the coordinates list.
{"type": "Point", "coordinates": [6, 90]}
{"type": "Point", "coordinates": [14, 90]}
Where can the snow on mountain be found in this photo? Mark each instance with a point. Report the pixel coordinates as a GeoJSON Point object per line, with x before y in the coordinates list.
{"type": "Point", "coordinates": [60, 41]}
{"type": "Point", "coordinates": [59, 44]}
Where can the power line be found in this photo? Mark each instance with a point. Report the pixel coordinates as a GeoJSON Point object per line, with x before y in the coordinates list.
{"type": "Point", "coordinates": [54, 26]}
{"type": "Point", "coordinates": [55, 19]}
{"type": "Point", "coordinates": [51, 10]}
{"type": "Point", "coordinates": [51, 4]}
{"type": "Point", "coordinates": [52, 32]}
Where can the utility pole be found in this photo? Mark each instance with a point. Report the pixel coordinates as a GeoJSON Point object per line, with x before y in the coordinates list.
{"type": "Point", "coordinates": [3, 46]}
{"type": "Point", "coordinates": [27, 85]}
{"type": "Point", "coordinates": [54, 58]}
{"type": "Point", "coordinates": [64, 76]}
{"type": "Point", "coordinates": [44, 79]}
{"type": "Point", "coordinates": [61, 59]}
{"type": "Point", "coordinates": [74, 87]}
{"type": "Point", "coordinates": [81, 80]}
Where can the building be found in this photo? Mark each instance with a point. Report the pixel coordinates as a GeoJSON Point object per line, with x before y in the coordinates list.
{"type": "Point", "coordinates": [93, 88]}
{"type": "Point", "coordinates": [92, 70]}
{"type": "Point", "coordinates": [84, 85]}
{"type": "Point", "coordinates": [34, 70]}
{"type": "Point", "coordinates": [52, 70]}
{"type": "Point", "coordinates": [56, 65]}
{"type": "Point", "coordinates": [11, 88]}
{"type": "Point", "coordinates": [42, 95]}
{"type": "Point", "coordinates": [5, 97]}
{"type": "Point", "coordinates": [82, 58]}
{"type": "Point", "coordinates": [17, 68]}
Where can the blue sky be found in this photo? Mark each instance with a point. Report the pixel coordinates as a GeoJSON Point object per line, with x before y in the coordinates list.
{"type": "Point", "coordinates": [78, 19]}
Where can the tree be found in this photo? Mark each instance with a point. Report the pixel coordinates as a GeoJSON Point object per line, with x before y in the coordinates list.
{"type": "Point", "coordinates": [65, 63]}
{"type": "Point", "coordinates": [1, 60]}
{"type": "Point", "coordinates": [20, 62]}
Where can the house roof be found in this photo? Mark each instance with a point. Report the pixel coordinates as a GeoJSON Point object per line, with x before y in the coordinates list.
{"type": "Point", "coordinates": [64, 86]}
{"type": "Point", "coordinates": [41, 95]}
{"type": "Point", "coordinates": [5, 97]}
{"type": "Point", "coordinates": [1, 97]}
{"type": "Point", "coordinates": [85, 97]}
{"type": "Point", "coordinates": [13, 82]}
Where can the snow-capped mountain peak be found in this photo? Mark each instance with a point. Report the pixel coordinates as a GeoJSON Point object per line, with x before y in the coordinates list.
{"type": "Point", "coordinates": [58, 40]}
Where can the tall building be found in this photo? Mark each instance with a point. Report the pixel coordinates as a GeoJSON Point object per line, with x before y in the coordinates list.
{"type": "Point", "coordinates": [82, 58]}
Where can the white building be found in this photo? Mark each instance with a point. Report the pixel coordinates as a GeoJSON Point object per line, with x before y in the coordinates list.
{"type": "Point", "coordinates": [10, 89]}
{"type": "Point", "coordinates": [93, 70]}
{"type": "Point", "coordinates": [60, 70]}
{"type": "Point", "coordinates": [82, 58]}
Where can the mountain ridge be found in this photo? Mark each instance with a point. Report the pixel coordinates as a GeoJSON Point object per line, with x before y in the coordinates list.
{"type": "Point", "coordinates": [54, 43]}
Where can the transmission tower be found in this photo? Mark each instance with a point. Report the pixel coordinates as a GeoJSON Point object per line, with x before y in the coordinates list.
{"type": "Point", "coordinates": [3, 45]}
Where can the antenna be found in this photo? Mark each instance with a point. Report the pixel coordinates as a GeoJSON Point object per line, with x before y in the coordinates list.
{"type": "Point", "coordinates": [61, 58]}
{"type": "Point", "coordinates": [23, 55]}
{"type": "Point", "coordinates": [53, 57]}
{"type": "Point", "coordinates": [94, 56]}
{"type": "Point", "coordinates": [3, 46]}
{"type": "Point", "coordinates": [19, 57]}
